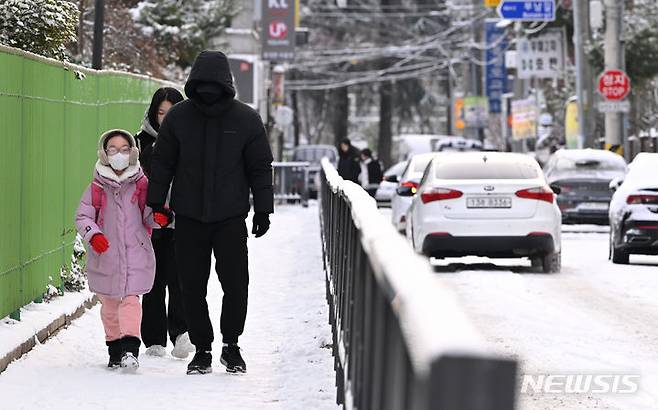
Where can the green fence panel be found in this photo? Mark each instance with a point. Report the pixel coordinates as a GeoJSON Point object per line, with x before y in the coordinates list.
{"type": "Point", "coordinates": [51, 115]}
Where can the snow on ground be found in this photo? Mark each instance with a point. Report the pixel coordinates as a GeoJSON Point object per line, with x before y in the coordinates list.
{"type": "Point", "coordinates": [35, 317]}
{"type": "Point", "coordinates": [284, 345]}
{"type": "Point", "coordinates": [593, 318]}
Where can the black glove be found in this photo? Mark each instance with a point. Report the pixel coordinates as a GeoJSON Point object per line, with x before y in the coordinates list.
{"type": "Point", "coordinates": [261, 224]}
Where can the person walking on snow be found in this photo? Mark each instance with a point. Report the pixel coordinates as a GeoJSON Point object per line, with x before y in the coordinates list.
{"type": "Point", "coordinates": [215, 149]}
{"type": "Point", "coordinates": [371, 172]}
{"type": "Point", "coordinates": [114, 220]}
{"type": "Point", "coordinates": [159, 317]}
{"type": "Point", "coordinates": [348, 161]}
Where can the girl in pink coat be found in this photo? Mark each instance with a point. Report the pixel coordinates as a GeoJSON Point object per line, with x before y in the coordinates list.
{"type": "Point", "coordinates": [113, 219]}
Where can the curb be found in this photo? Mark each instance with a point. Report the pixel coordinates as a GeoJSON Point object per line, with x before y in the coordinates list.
{"type": "Point", "coordinates": [46, 333]}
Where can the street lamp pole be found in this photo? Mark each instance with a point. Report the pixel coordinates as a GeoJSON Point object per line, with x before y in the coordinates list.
{"type": "Point", "coordinates": [99, 17]}
{"type": "Point", "coordinates": [580, 61]}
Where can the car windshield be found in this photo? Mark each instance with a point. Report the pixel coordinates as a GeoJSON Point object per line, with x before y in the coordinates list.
{"type": "Point", "coordinates": [485, 170]}
{"type": "Point", "coordinates": [314, 155]}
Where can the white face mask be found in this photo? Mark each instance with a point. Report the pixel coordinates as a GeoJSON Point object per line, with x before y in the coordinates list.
{"type": "Point", "coordinates": [119, 161]}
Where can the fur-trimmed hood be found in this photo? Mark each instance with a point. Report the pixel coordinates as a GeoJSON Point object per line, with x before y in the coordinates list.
{"type": "Point", "coordinates": [106, 175]}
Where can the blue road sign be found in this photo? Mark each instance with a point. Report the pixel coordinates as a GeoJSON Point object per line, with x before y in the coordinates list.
{"type": "Point", "coordinates": [527, 10]}
{"type": "Point", "coordinates": [496, 71]}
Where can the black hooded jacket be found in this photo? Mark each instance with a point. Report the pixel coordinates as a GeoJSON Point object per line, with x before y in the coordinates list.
{"type": "Point", "coordinates": [349, 166]}
{"type": "Point", "coordinates": [215, 153]}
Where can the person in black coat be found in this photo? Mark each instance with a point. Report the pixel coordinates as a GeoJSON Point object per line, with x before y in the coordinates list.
{"type": "Point", "coordinates": [371, 172]}
{"type": "Point", "coordinates": [158, 317]}
{"type": "Point", "coordinates": [348, 161]}
{"type": "Point", "coordinates": [216, 150]}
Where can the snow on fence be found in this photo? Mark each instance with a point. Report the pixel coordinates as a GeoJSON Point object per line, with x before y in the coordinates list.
{"type": "Point", "coordinates": [401, 340]}
{"type": "Point", "coordinates": [51, 115]}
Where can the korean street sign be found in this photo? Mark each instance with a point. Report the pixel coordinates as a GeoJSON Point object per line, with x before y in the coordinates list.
{"type": "Point", "coordinates": [541, 56]}
{"type": "Point", "coordinates": [614, 106]}
{"type": "Point", "coordinates": [614, 85]}
{"type": "Point", "coordinates": [527, 10]}
{"type": "Point", "coordinates": [496, 70]}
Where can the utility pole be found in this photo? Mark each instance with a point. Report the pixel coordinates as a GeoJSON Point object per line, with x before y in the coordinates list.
{"type": "Point", "coordinates": [99, 18]}
{"type": "Point", "coordinates": [583, 72]}
{"type": "Point", "coordinates": [614, 10]}
{"type": "Point", "coordinates": [476, 78]}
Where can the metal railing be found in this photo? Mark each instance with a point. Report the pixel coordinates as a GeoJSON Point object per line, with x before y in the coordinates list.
{"type": "Point", "coordinates": [400, 340]}
{"type": "Point", "coordinates": [291, 182]}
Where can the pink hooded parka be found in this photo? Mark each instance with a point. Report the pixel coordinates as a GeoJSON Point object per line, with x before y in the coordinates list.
{"type": "Point", "coordinates": [128, 266]}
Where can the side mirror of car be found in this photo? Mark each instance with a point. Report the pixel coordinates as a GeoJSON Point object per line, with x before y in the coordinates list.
{"type": "Point", "coordinates": [615, 184]}
{"type": "Point", "coordinates": [406, 191]}
{"type": "Point", "coordinates": [392, 178]}
{"type": "Point", "coordinates": [556, 189]}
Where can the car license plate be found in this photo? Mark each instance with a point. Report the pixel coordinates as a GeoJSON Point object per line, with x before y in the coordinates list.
{"type": "Point", "coordinates": [489, 202]}
{"type": "Point", "coordinates": [593, 206]}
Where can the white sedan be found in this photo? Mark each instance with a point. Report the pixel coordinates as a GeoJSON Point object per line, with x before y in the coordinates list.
{"type": "Point", "coordinates": [486, 204]}
{"type": "Point", "coordinates": [409, 180]}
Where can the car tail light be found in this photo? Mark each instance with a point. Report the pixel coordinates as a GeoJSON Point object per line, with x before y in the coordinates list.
{"type": "Point", "coordinates": [439, 194]}
{"type": "Point", "coordinates": [642, 200]}
{"type": "Point", "coordinates": [409, 184]}
{"type": "Point", "coordinates": [540, 194]}
{"type": "Point", "coordinates": [648, 227]}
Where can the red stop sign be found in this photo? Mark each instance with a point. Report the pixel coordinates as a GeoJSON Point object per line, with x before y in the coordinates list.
{"type": "Point", "coordinates": [614, 85]}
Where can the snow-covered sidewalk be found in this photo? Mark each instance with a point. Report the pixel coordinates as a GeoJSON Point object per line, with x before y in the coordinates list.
{"type": "Point", "coordinates": [285, 344]}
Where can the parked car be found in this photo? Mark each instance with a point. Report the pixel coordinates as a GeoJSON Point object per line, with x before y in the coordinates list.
{"type": "Point", "coordinates": [486, 204]}
{"type": "Point", "coordinates": [459, 144]}
{"type": "Point", "coordinates": [634, 210]}
{"type": "Point", "coordinates": [410, 179]}
{"type": "Point", "coordinates": [584, 176]}
{"type": "Point", "coordinates": [406, 146]}
{"type": "Point", "coordinates": [314, 154]}
{"type": "Point", "coordinates": [389, 184]}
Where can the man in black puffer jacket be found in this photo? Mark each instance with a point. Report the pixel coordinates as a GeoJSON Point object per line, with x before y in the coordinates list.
{"type": "Point", "coordinates": [215, 149]}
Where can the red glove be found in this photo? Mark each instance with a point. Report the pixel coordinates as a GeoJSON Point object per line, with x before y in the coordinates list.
{"type": "Point", "coordinates": [99, 243]}
{"type": "Point", "coordinates": [161, 219]}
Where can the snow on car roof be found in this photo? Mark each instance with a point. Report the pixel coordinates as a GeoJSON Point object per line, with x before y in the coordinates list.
{"type": "Point", "coordinates": [476, 157]}
{"type": "Point", "coordinates": [589, 154]}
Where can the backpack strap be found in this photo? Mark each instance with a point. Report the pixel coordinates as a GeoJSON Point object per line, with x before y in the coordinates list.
{"type": "Point", "coordinates": [98, 201]}
{"type": "Point", "coordinates": [140, 196]}
{"type": "Point", "coordinates": [141, 192]}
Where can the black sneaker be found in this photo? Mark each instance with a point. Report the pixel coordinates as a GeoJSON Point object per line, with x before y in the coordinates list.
{"type": "Point", "coordinates": [200, 364]}
{"type": "Point", "coordinates": [232, 359]}
{"type": "Point", "coordinates": [115, 350]}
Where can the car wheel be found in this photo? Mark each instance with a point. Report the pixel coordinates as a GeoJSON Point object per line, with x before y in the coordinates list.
{"type": "Point", "coordinates": [551, 263]}
{"type": "Point", "coordinates": [536, 262]}
{"type": "Point", "coordinates": [619, 256]}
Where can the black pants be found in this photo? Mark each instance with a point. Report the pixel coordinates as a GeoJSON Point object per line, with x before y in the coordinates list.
{"type": "Point", "coordinates": [195, 241]}
{"type": "Point", "coordinates": [155, 320]}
